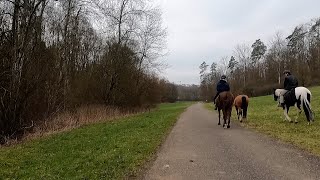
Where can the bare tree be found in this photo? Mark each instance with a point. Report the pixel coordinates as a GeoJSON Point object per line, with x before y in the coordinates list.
{"type": "Point", "coordinates": [53, 58]}
{"type": "Point", "coordinates": [277, 51]}
{"type": "Point", "coordinates": [242, 53]}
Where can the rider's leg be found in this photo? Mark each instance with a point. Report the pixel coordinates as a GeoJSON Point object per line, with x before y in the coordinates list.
{"type": "Point", "coordinates": [214, 101]}
{"type": "Point", "coordinates": [215, 97]}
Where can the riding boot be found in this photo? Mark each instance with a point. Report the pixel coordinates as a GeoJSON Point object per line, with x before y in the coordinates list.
{"type": "Point", "coordinates": [215, 103]}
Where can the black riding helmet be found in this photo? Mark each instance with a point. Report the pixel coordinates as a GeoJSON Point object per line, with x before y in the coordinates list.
{"type": "Point", "coordinates": [286, 71]}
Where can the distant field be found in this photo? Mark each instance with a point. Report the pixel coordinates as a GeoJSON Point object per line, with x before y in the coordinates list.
{"type": "Point", "coordinates": [264, 116]}
{"type": "Point", "coordinates": [111, 150]}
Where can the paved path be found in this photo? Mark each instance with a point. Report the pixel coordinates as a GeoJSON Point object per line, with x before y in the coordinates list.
{"type": "Point", "coordinates": [197, 148]}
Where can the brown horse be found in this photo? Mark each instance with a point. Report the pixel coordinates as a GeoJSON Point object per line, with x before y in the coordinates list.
{"type": "Point", "coordinates": [224, 103]}
{"type": "Point", "coordinates": [241, 103]}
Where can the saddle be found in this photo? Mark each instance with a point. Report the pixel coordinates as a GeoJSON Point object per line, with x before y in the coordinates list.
{"type": "Point", "coordinates": [290, 97]}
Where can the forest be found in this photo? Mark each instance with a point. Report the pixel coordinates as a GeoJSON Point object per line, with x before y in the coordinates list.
{"type": "Point", "coordinates": [59, 55]}
{"type": "Point", "coordinates": [258, 68]}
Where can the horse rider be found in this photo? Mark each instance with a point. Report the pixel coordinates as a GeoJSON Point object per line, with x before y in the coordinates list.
{"type": "Point", "coordinates": [290, 83]}
{"type": "Point", "coordinates": [221, 87]}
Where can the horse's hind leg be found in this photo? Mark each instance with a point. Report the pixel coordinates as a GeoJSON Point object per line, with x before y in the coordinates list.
{"type": "Point", "coordinates": [219, 117]}
{"type": "Point", "coordinates": [237, 112]}
{"type": "Point", "coordinates": [298, 114]}
{"type": "Point", "coordinates": [225, 114]}
{"type": "Point", "coordinates": [229, 117]}
{"type": "Point", "coordinates": [285, 112]}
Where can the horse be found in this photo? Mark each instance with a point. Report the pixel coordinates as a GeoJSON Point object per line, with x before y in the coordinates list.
{"type": "Point", "coordinates": [241, 103]}
{"type": "Point", "coordinates": [225, 102]}
{"type": "Point", "coordinates": [301, 96]}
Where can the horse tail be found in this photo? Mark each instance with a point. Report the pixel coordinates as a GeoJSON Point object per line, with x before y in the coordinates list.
{"type": "Point", "coordinates": [244, 106]}
{"type": "Point", "coordinates": [306, 99]}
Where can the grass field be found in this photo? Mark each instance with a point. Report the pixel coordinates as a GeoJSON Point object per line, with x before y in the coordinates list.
{"type": "Point", "coordinates": [111, 150]}
{"type": "Point", "coordinates": [264, 116]}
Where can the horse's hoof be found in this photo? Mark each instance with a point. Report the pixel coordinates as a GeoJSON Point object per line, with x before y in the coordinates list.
{"type": "Point", "coordinates": [228, 126]}
{"type": "Point", "coordinates": [219, 124]}
{"type": "Point", "coordinates": [296, 122]}
{"type": "Point", "coordinates": [241, 121]}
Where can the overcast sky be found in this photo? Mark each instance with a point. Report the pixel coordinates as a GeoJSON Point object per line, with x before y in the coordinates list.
{"type": "Point", "coordinates": [206, 30]}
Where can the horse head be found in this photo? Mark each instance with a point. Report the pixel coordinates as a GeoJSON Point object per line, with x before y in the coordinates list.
{"type": "Point", "coordinates": [277, 93]}
{"type": "Point", "coordinates": [275, 97]}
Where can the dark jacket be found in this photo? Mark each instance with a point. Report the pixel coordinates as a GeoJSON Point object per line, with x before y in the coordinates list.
{"type": "Point", "coordinates": [290, 82]}
{"type": "Point", "coordinates": [222, 86]}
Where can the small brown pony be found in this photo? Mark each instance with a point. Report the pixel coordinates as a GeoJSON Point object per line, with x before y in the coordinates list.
{"type": "Point", "coordinates": [224, 102]}
{"type": "Point", "coordinates": [241, 103]}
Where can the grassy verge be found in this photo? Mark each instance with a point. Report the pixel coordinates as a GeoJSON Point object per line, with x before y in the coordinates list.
{"type": "Point", "coordinates": [209, 106]}
{"type": "Point", "coordinates": [264, 116]}
{"type": "Point", "coordinates": [111, 150]}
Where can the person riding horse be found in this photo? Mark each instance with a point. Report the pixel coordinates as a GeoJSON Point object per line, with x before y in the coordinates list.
{"type": "Point", "coordinates": [221, 87]}
{"type": "Point", "coordinates": [290, 83]}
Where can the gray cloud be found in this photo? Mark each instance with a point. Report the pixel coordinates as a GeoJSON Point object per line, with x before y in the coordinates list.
{"type": "Point", "coordinates": [206, 30]}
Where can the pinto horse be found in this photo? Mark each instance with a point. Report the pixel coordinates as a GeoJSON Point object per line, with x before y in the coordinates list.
{"type": "Point", "coordinates": [241, 103]}
{"type": "Point", "coordinates": [301, 96]}
{"type": "Point", "coordinates": [224, 102]}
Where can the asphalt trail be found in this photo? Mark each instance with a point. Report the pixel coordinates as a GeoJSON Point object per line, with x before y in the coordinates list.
{"type": "Point", "coordinates": [197, 148]}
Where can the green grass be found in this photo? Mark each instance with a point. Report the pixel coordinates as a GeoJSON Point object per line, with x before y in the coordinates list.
{"type": "Point", "coordinates": [264, 116]}
{"type": "Point", "coordinates": [209, 106]}
{"type": "Point", "coordinates": [111, 150]}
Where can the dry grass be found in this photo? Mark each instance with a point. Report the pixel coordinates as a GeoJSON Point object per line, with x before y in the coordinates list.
{"type": "Point", "coordinates": [66, 121]}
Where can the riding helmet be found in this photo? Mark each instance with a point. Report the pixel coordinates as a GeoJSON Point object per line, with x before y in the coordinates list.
{"type": "Point", "coordinates": [286, 71]}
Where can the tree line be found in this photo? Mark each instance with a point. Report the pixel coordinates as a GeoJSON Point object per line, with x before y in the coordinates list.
{"type": "Point", "coordinates": [57, 55]}
{"type": "Point", "coordinates": [256, 69]}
